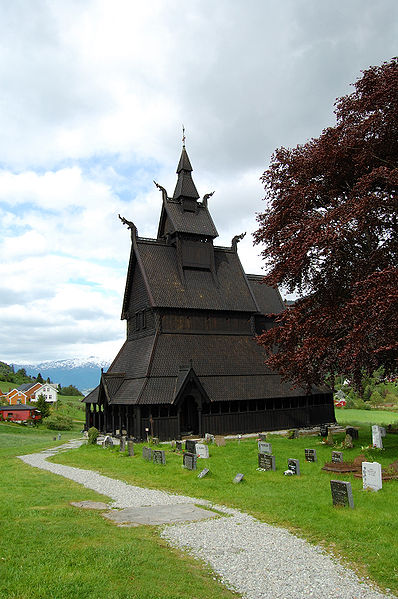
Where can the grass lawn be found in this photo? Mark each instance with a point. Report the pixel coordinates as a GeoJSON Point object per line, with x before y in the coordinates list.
{"type": "Point", "coordinates": [364, 537]}
{"type": "Point", "coordinates": [51, 550]}
{"type": "Point", "coordinates": [365, 417]}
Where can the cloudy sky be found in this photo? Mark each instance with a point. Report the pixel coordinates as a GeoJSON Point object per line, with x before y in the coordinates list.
{"type": "Point", "coordinates": [93, 95]}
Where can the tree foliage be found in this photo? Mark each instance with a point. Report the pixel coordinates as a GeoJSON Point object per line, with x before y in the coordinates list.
{"type": "Point", "coordinates": [330, 234]}
{"type": "Point", "coordinates": [43, 406]}
{"type": "Point", "coordinates": [69, 390]}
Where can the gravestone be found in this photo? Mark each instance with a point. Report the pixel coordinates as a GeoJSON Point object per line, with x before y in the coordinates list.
{"type": "Point", "coordinates": [376, 437]}
{"type": "Point", "coordinates": [238, 478]}
{"type": "Point", "coordinates": [107, 442]}
{"type": "Point", "coordinates": [202, 450]}
{"type": "Point", "coordinates": [178, 445]}
{"type": "Point", "coordinates": [122, 446]}
{"type": "Point", "coordinates": [219, 440]}
{"type": "Point", "coordinates": [203, 473]}
{"type": "Point", "coordinates": [189, 460]}
{"type": "Point", "coordinates": [147, 454]}
{"type": "Point", "coordinates": [266, 461]}
{"type": "Point", "coordinates": [209, 438]}
{"type": "Point", "coordinates": [371, 476]}
{"type": "Point", "coordinates": [353, 432]}
{"type": "Point", "coordinates": [310, 455]}
{"type": "Point", "coordinates": [382, 431]}
{"type": "Point", "coordinates": [158, 456]}
{"type": "Point", "coordinates": [262, 436]}
{"type": "Point", "coordinates": [173, 444]}
{"type": "Point", "coordinates": [264, 447]}
{"type": "Point", "coordinates": [59, 436]}
{"type": "Point", "coordinates": [341, 493]}
{"type": "Point", "coordinates": [294, 466]}
{"type": "Point", "coordinates": [337, 457]}
{"type": "Point", "coordinates": [130, 447]}
{"type": "Point", "coordinates": [190, 446]}
{"type": "Point", "coordinates": [323, 430]}
{"type": "Point", "coordinates": [155, 441]}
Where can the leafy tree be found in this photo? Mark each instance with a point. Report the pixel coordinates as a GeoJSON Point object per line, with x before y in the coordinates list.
{"type": "Point", "coordinates": [39, 378]}
{"type": "Point", "coordinates": [43, 406]}
{"type": "Point", "coordinates": [69, 390]}
{"type": "Point", "coordinates": [330, 234]}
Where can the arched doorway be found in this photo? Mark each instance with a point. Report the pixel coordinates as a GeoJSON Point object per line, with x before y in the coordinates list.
{"type": "Point", "coordinates": [189, 416]}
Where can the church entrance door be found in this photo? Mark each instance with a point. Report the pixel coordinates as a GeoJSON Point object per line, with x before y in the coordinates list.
{"type": "Point", "coordinates": [189, 416]}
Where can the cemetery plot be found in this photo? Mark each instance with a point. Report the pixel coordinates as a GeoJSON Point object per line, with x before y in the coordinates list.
{"type": "Point", "coordinates": [371, 476]}
{"type": "Point", "coordinates": [264, 447]}
{"type": "Point", "coordinates": [202, 450]}
{"type": "Point", "coordinates": [310, 455]}
{"type": "Point", "coordinates": [294, 466]}
{"type": "Point", "coordinates": [189, 461]}
{"type": "Point", "coordinates": [190, 446]}
{"type": "Point", "coordinates": [337, 457]}
{"type": "Point", "coordinates": [147, 454]}
{"type": "Point", "coordinates": [158, 456]}
{"type": "Point", "coordinates": [341, 493]}
{"type": "Point", "coordinates": [266, 461]}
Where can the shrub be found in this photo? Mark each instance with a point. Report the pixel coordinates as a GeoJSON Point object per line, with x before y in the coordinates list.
{"type": "Point", "coordinates": [92, 435]}
{"type": "Point", "coordinates": [376, 398]}
{"type": "Point", "coordinates": [58, 422]}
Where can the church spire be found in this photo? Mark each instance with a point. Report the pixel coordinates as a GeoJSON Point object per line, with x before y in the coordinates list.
{"type": "Point", "coordinates": [185, 187]}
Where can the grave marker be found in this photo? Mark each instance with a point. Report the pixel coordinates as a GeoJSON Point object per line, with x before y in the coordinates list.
{"type": "Point", "coordinates": [158, 456]}
{"type": "Point", "coordinates": [323, 430]}
{"type": "Point", "coordinates": [107, 442]}
{"type": "Point", "coordinates": [190, 446]}
{"type": "Point", "coordinates": [264, 447]}
{"type": "Point", "coordinates": [178, 445]}
{"type": "Point", "coordinates": [209, 438]}
{"type": "Point", "coordinates": [203, 473]}
{"type": "Point", "coordinates": [341, 493]}
{"type": "Point", "coordinates": [376, 437]}
{"type": "Point", "coordinates": [220, 440]}
{"type": "Point", "coordinates": [147, 454]}
{"type": "Point", "coordinates": [202, 450]}
{"type": "Point", "coordinates": [122, 446]}
{"type": "Point", "coordinates": [310, 455]}
{"type": "Point", "coordinates": [337, 457]}
{"type": "Point", "coordinates": [294, 466]}
{"type": "Point", "coordinates": [353, 432]}
{"type": "Point", "coordinates": [130, 447]}
{"type": "Point", "coordinates": [382, 431]}
{"type": "Point", "coordinates": [189, 460]}
{"type": "Point", "coordinates": [371, 476]}
{"type": "Point", "coordinates": [155, 441]}
{"type": "Point", "coordinates": [266, 461]}
{"type": "Point", "coordinates": [238, 478]}
{"type": "Point", "coordinates": [262, 436]}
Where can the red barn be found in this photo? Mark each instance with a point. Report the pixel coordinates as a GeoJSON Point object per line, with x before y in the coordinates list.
{"type": "Point", "coordinates": [20, 413]}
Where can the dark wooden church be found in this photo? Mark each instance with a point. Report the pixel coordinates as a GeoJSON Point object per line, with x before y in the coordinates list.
{"type": "Point", "coordinates": [190, 363]}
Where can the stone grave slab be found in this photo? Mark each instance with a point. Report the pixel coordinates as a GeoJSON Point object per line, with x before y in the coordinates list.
{"type": "Point", "coordinates": [337, 457]}
{"type": "Point", "coordinates": [371, 476]}
{"type": "Point", "coordinates": [323, 430]}
{"type": "Point", "coordinates": [219, 440]}
{"type": "Point", "coordinates": [122, 446]}
{"type": "Point", "coordinates": [156, 515]}
{"type": "Point", "coordinates": [238, 478]}
{"type": "Point", "coordinates": [203, 473]}
{"type": "Point", "coordinates": [158, 456]}
{"type": "Point", "coordinates": [190, 446]}
{"type": "Point", "coordinates": [353, 432]}
{"type": "Point", "coordinates": [130, 448]}
{"type": "Point", "coordinates": [107, 442]}
{"type": "Point", "coordinates": [202, 450]}
{"type": "Point", "coordinates": [189, 460]}
{"type": "Point", "coordinates": [341, 493]}
{"type": "Point", "coordinates": [382, 431]}
{"type": "Point", "coordinates": [147, 454]}
{"type": "Point", "coordinates": [294, 466]}
{"type": "Point", "coordinates": [209, 438]}
{"type": "Point", "coordinates": [178, 445]}
{"type": "Point", "coordinates": [376, 437]}
{"type": "Point", "coordinates": [155, 441]}
{"type": "Point", "coordinates": [262, 436]}
{"type": "Point", "coordinates": [264, 447]}
{"type": "Point", "coordinates": [266, 461]}
{"type": "Point", "coordinates": [310, 455]}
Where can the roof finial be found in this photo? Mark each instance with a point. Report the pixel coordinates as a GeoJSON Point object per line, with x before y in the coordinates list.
{"type": "Point", "coordinates": [183, 136]}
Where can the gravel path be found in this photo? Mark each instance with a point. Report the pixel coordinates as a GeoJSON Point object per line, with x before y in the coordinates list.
{"type": "Point", "coordinates": [256, 560]}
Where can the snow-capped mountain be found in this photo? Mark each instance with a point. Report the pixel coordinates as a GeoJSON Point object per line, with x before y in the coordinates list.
{"type": "Point", "coordinates": [83, 373]}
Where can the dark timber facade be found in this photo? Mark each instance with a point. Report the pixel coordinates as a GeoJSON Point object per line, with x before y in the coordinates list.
{"type": "Point", "coordinates": [190, 363]}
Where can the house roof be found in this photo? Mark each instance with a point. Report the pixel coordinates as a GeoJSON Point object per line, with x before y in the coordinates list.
{"type": "Point", "coordinates": [24, 406]}
{"type": "Point", "coordinates": [198, 222]}
{"type": "Point", "coordinates": [268, 299]}
{"type": "Point", "coordinates": [27, 386]}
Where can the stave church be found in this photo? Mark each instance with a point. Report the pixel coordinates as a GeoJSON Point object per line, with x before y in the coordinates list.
{"type": "Point", "coordinates": [190, 363]}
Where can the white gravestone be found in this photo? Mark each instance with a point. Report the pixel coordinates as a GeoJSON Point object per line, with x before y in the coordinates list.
{"type": "Point", "coordinates": [376, 437]}
{"type": "Point", "coordinates": [264, 447]}
{"type": "Point", "coordinates": [371, 476]}
{"type": "Point", "coordinates": [202, 450]}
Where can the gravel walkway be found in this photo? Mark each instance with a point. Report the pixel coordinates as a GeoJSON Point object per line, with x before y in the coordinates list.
{"type": "Point", "coordinates": [256, 560]}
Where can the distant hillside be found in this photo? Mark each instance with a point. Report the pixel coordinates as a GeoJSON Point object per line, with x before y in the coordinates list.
{"type": "Point", "coordinates": [83, 374]}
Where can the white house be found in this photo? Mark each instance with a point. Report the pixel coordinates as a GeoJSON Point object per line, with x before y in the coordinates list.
{"type": "Point", "coordinates": [49, 391]}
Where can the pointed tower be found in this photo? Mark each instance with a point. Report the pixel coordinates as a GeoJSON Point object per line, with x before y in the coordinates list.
{"type": "Point", "coordinates": [190, 363]}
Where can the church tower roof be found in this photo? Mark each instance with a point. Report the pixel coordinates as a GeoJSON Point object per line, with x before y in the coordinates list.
{"type": "Point", "coordinates": [185, 187]}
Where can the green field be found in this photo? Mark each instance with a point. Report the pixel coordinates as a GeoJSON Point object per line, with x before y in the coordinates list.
{"type": "Point", "coordinates": [51, 550]}
{"type": "Point", "coordinates": [301, 504]}
{"type": "Point", "coordinates": [365, 417]}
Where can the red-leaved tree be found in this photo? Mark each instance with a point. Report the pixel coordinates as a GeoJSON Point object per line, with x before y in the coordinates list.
{"type": "Point", "coordinates": [329, 233]}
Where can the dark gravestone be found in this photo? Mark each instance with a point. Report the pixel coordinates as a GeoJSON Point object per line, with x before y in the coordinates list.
{"type": "Point", "coordinates": [155, 441]}
{"type": "Point", "coordinates": [262, 436]}
{"type": "Point", "coordinates": [238, 478]}
{"type": "Point", "coordinates": [353, 432]}
{"type": "Point", "coordinates": [178, 445]}
{"type": "Point", "coordinates": [189, 460]}
{"type": "Point", "coordinates": [337, 457]}
{"type": "Point", "coordinates": [158, 456]}
{"type": "Point", "coordinates": [190, 446]}
{"type": "Point", "coordinates": [310, 455]}
{"type": "Point", "coordinates": [293, 466]}
{"type": "Point", "coordinates": [130, 447]}
{"type": "Point", "coordinates": [341, 493]}
{"type": "Point", "coordinates": [323, 430]}
{"type": "Point", "coordinates": [203, 473]}
{"type": "Point", "coordinates": [147, 454]}
{"type": "Point", "coordinates": [266, 461]}
{"type": "Point", "coordinates": [122, 446]}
